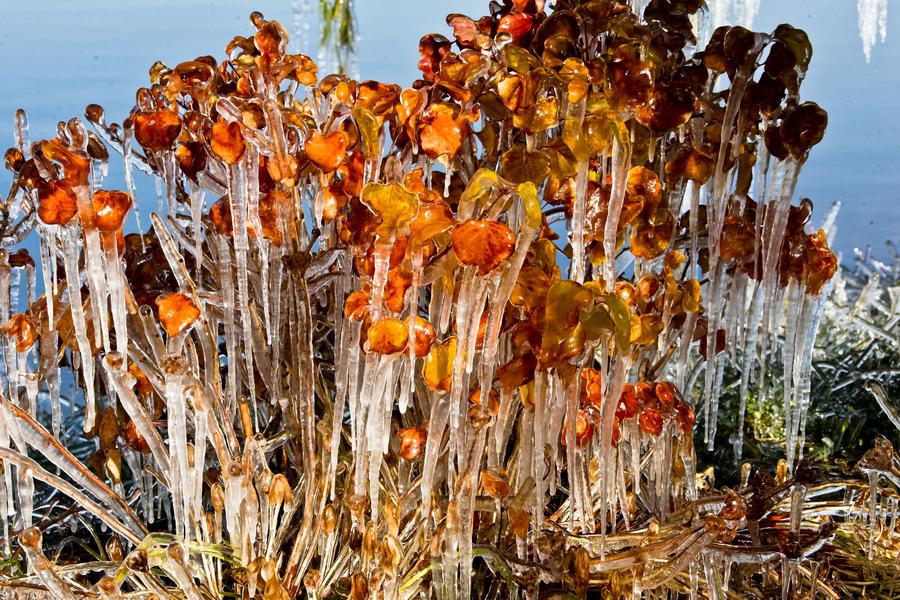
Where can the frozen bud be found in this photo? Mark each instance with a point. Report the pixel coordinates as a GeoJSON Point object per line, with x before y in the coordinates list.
{"type": "Point", "coordinates": [358, 505]}
{"type": "Point", "coordinates": [329, 519]}
{"type": "Point", "coordinates": [108, 587]}
{"type": "Point", "coordinates": [31, 538]}
{"type": "Point", "coordinates": [359, 587]}
{"type": "Point", "coordinates": [279, 490]}
{"type": "Point", "coordinates": [412, 442]}
{"type": "Point", "coordinates": [391, 554]}
{"type": "Point", "coordinates": [495, 483]}
{"type": "Point", "coordinates": [94, 113]}
{"type": "Point", "coordinates": [781, 471]}
{"type": "Point", "coordinates": [114, 549]}
{"type": "Point", "coordinates": [311, 580]}
{"type": "Point", "coordinates": [138, 561]}
{"type": "Point", "coordinates": [176, 553]}
{"type": "Point", "coordinates": [745, 474]}
{"type": "Point", "coordinates": [734, 508]}
{"type": "Point", "coordinates": [217, 497]}
{"type": "Point", "coordinates": [14, 159]}
{"type": "Point", "coordinates": [369, 542]}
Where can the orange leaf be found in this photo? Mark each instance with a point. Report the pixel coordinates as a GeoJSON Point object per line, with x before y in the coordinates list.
{"type": "Point", "coordinates": [110, 209]}
{"type": "Point", "coordinates": [157, 130]}
{"type": "Point", "coordinates": [326, 151]}
{"type": "Point", "coordinates": [388, 336]}
{"type": "Point", "coordinates": [56, 202]}
{"type": "Point", "coordinates": [424, 336]}
{"type": "Point", "coordinates": [177, 312]}
{"type": "Point", "coordinates": [440, 133]}
{"type": "Point", "coordinates": [23, 329]}
{"type": "Point", "coordinates": [227, 141]}
{"type": "Point", "coordinates": [483, 244]}
{"type": "Point", "coordinates": [438, 368]}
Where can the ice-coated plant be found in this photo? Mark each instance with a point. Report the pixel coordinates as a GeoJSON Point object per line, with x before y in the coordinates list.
{"type": "Point", "coordinates": [444, 341]}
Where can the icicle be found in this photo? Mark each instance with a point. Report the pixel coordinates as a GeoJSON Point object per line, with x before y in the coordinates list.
{"type": "Point", "coordinates": [409, 380]}
{"type": "Point", "coordinates": [873, 511]}
{"type": "Point", "coordinates": [578, 222]}
{"type": "Point", "coordinates": [48, 269]}
{"type": "Point", "coordinates": [381, 259]}
{"type": "Point", "coordinates": [749, 353]}
{"type": "Point", "coordinates": [122, 382]}
{"type": "Point", "coordinates": [262, 244]}
{"type": "Point", "coordinates": [614, 384]}
{"type": "Point", "coordinates": [239, 206]}
{"type": "Point", "coordinates": [807, 330]}
{"type": "Point", "coordinates": [197, 197]}
{"type": "Point", "coordinates": [347, 368]}
{"type": "Point", "coordinates": [872, 24]}
{"type": "Point", "coordinates": [73, 285]}
{"type": "Point", "coordinates": [714, 364]}
{"type": "Point", "coordinates": [793, 312]}
{"type": "Point", "coordinates": [226, 275]}
{"type": "Point", "coordinates": [503, 292]}
{"type": "Point", "coordinates": [621, 158]}
{"type": "Point", "coordinates": [440, 411]}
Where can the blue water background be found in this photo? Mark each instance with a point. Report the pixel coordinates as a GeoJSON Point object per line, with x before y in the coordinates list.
{"type": "Point", "coordinates": [59, 56]}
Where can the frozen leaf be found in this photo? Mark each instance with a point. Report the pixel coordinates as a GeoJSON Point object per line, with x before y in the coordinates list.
{"type": "Point", "coordinates": [327, 152]}
{"type": "Point", "coordinates": [356, 307]}
{"type": "Point", "coordinates": [388, 336]}
{"type": "Point", "coordinates": [441, 131]}
{"type": "Point", "coordinates": [496, 483]}
{"type": "Point", "coordinates": [156, 130]}
{"type": "Point", "coordinates": [518, 165]}
{"type": "Point", "coordinates": [369, 130]}
{"type": "Point", "coordinates": [227, 141]}
{"type": "Point", "coordinates": [651, 421]}
{"type": "Point", "coordinates": [483, 244]}
{"type": "Point", "coordinates": [110, 209]}
{"type": "Point", "coordinates": [177, 312]}
{"type": "Point", "coordinates": [690, 163]}
{"type": "Point", "coordinates": [432, 220]}
{"type": "Point", "coordinates": [393, 204]}
{"type": "Point", "coordinates": [56, 202]}
{"type": "Point", "coordinates": [23, 328]}
{"type": "Point", "coordinates": [584, 429]}
{"type": "Point", "coordinates": [424, 337]}
{"type": "Point", "coordinates": [438, 368]}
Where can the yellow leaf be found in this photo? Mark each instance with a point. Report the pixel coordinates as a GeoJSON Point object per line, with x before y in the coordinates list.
{"type": "Point", "coordinates": [393, 204]}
